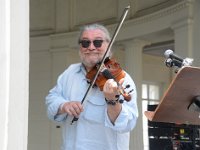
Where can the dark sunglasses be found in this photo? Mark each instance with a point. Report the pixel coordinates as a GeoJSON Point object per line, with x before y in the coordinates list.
{"type": "Point", "coordinates": [86, 43]}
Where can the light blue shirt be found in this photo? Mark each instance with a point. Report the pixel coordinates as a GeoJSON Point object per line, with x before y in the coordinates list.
{"type": "Point", "coordinates": [93, 130]}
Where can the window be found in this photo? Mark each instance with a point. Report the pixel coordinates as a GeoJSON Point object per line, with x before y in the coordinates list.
{"type": "Point", "coordinates": [150, 95]}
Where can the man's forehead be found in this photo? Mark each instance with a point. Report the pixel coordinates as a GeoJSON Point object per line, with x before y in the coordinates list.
{"type": "Point", "coordinates": [93, 33]}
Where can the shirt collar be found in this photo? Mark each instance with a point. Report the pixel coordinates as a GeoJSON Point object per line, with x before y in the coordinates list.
{"type": "Point", "coordinates": [82, 69]}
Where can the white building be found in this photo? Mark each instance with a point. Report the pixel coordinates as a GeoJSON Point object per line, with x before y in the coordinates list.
{"type": "Point", "coordinates": [38, 40]}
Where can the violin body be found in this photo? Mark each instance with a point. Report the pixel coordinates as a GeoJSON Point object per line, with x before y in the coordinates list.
{"type": "Point", "coordinates": [113, 71]}
{"type": "Point", "coordinates": [113, 67]}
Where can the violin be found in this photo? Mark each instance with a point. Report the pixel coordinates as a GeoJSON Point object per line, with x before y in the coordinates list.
{"type": "Point", "coordinates": [110, 70]}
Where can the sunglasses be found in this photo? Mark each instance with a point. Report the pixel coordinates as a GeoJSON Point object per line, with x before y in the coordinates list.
{"type": "Point", "coordinates": [86, 43]}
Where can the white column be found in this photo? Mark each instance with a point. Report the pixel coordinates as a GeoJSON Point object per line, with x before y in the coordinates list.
{"type": "Point", "coordinates": [133, 61]}
{"type": "Point", "coordinates": [183, 35]}
{"type": "Point", "coordinates": [14, 57]}
{"type": "Point", "coordinates": [4, 75]}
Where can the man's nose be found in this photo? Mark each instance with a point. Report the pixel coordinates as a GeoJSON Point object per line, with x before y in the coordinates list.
{"type": "Point", "coordinates": [91, 46]}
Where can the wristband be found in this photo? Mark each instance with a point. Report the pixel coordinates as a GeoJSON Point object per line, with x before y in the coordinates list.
{"type": "Point", "coordinates": [112, 102]}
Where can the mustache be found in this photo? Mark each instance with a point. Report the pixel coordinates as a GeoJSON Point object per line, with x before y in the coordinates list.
{"type": "Point", "coordinates": [91, 52]}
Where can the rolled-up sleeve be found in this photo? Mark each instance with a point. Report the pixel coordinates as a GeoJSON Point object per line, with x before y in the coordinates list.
{"type": "Point", "coordinates": [126, 120]}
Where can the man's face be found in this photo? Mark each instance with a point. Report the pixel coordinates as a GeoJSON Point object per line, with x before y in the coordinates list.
{"type": "Point", "coordinates": [92, 47]}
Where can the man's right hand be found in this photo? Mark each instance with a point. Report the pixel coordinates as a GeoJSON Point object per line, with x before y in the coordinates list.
{"type": "Point", "coordinates": [73, 108]}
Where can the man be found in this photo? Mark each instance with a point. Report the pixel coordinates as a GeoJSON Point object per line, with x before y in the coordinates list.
{"type": "Point", "coordinates": [104, 122]}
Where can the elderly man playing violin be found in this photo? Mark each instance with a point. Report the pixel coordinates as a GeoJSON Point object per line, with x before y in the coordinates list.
{"type": "Point", "coordinates": [105, 118]}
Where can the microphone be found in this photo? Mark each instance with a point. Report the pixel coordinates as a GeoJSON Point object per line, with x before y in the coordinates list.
{"type": "Point", "coordinates": [175, 60]}
{"type": "Point", "coordinates": [170, 54]}
{"type": "Point", "coordinates": [170, 63]}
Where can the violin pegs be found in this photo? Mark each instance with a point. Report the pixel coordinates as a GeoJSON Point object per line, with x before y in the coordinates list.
{"type": "Point", "coordinates": [88, 82]}
{"type": "Point", "coordinates": [121, 101]}
{"type": "Point", "coordinates": [127, 86]}
{"type": "Point", "coordinates": [130, 91]}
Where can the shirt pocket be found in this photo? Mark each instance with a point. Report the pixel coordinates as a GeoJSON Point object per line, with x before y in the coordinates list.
{"type": "Point", "coordinates": [94, 110]}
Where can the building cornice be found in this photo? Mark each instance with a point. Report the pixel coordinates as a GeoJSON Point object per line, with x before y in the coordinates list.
{"type": "Point", "coordinates": [161, 13]}
{"type": "Point", "coordinates": [69, 39]}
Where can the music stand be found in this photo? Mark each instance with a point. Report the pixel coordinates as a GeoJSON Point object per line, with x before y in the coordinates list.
{"type": "Point", "coordinates": [180, 102]}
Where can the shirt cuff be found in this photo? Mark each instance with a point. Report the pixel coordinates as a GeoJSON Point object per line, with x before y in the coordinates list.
{"type": "Point", "coordinates": [60, 117]}
{"type": "Point", "coordinates": [53, 112]}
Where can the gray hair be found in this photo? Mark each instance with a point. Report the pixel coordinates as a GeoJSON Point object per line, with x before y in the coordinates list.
{"type": "Point", "coordinates": [95, 26]}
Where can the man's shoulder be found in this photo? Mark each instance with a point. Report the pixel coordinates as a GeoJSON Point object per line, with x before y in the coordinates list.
{"type": "Point", "coordinates": [73, 67]}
